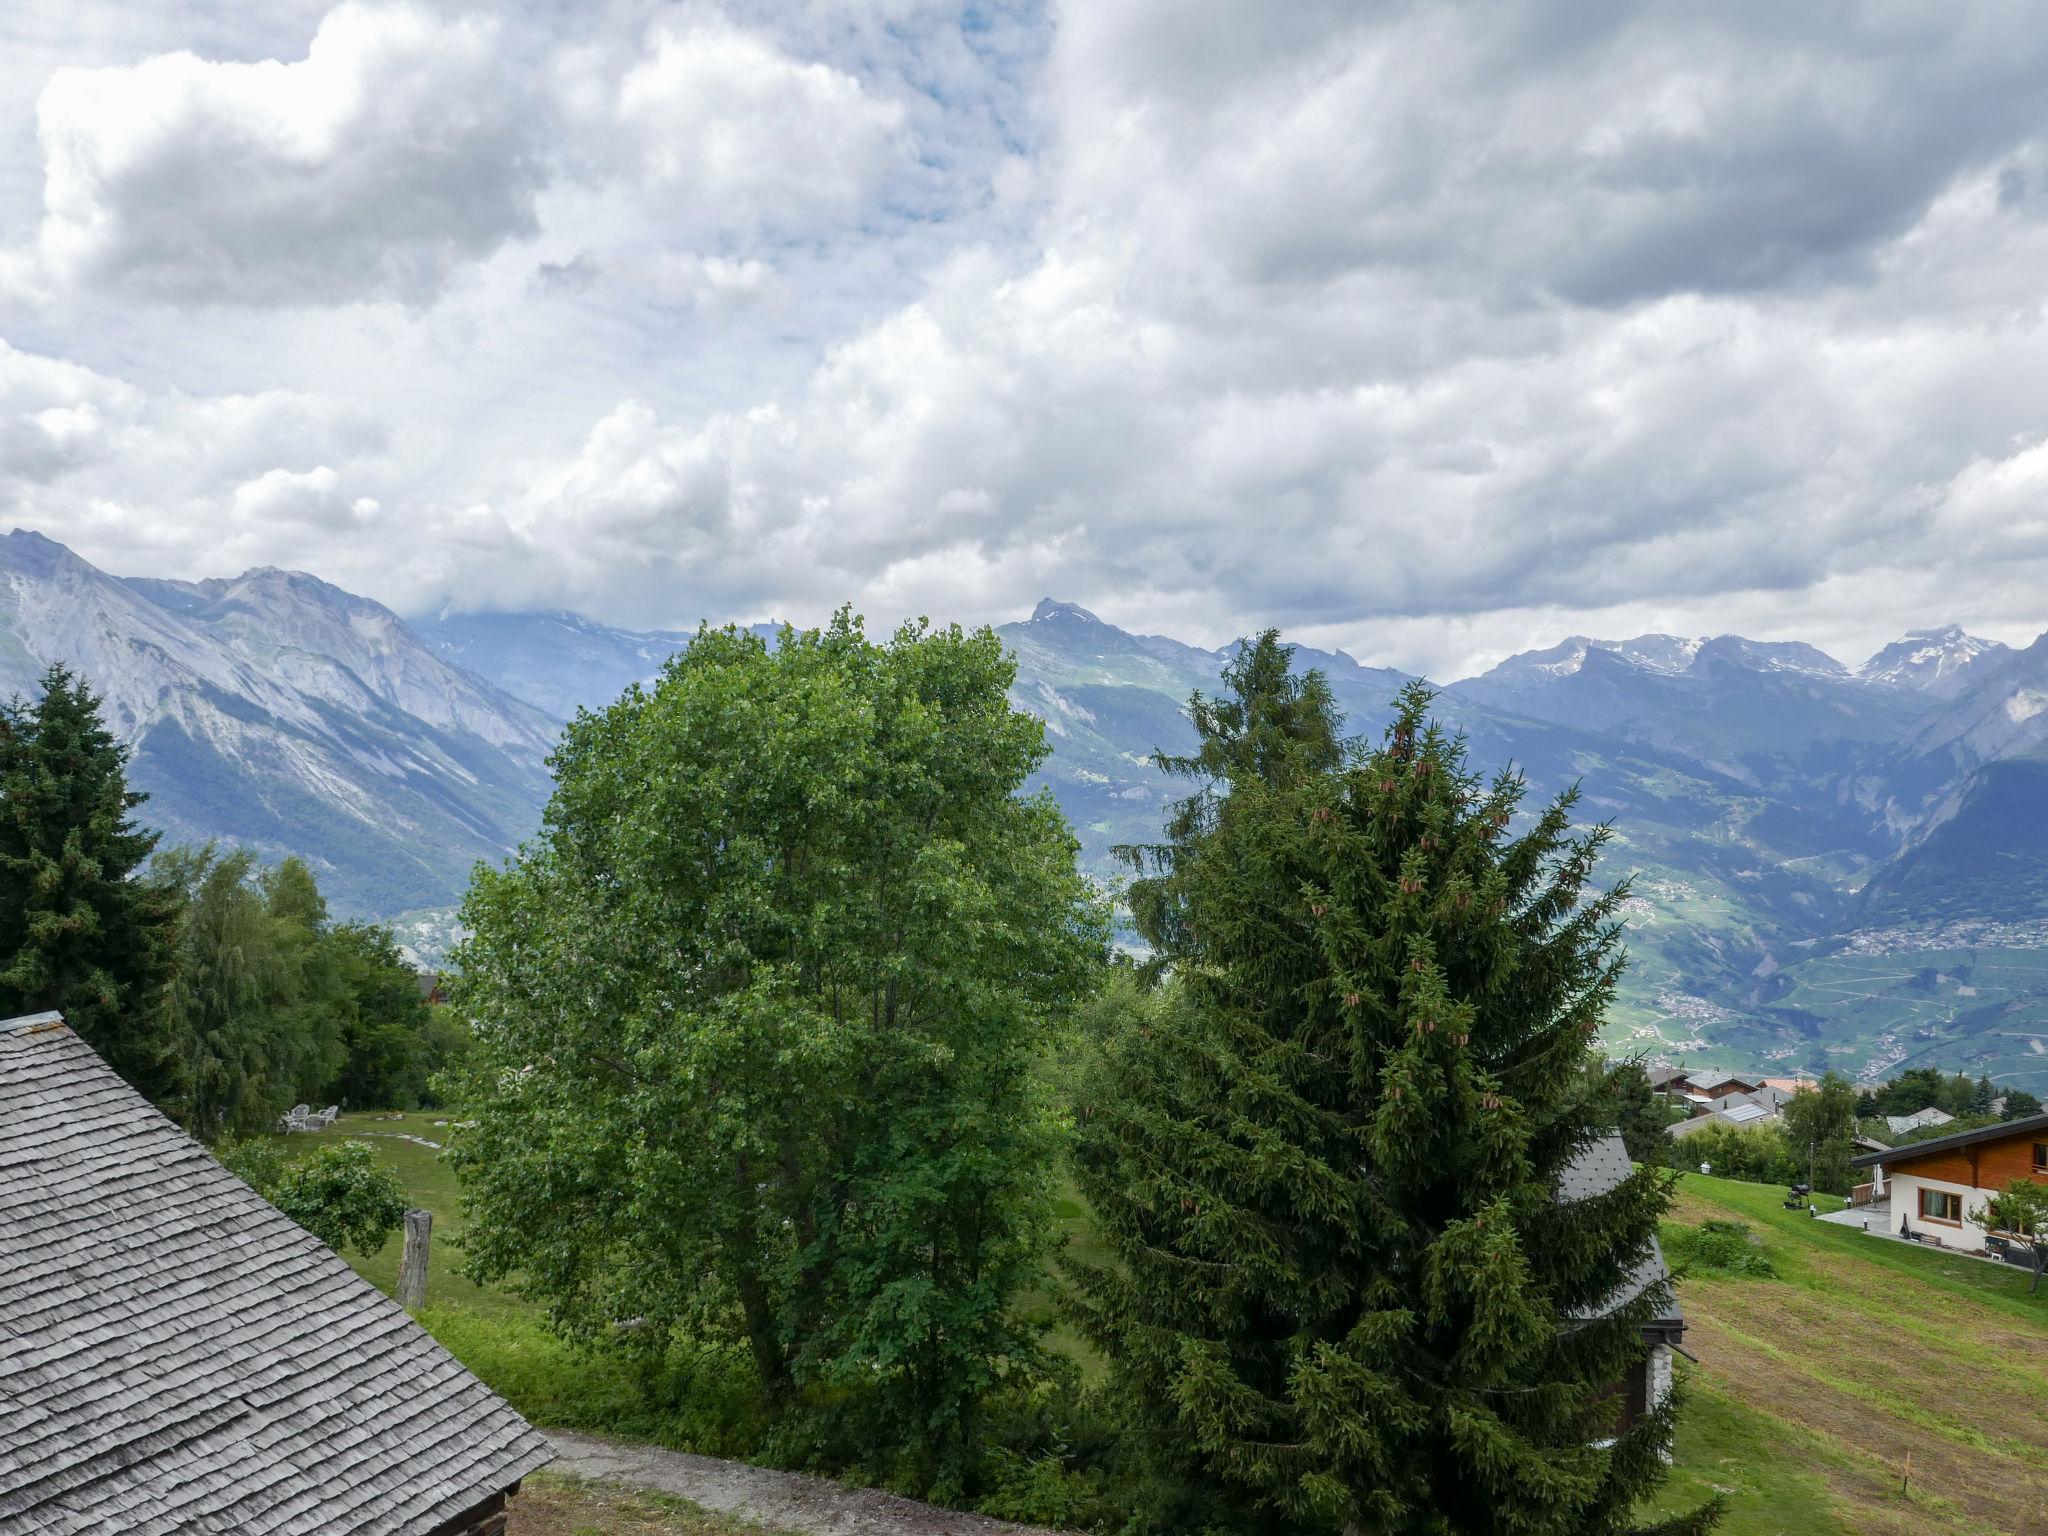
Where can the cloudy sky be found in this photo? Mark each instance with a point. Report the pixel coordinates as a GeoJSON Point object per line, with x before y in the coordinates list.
{"type": "Point", "coordinates": [1430, 331]}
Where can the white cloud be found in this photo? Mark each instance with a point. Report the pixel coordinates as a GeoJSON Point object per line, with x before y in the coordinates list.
{"type": "Point", "coordinates": [401, 147]}
{"type": "Point", "coordinates": [1427, 331]}
{"type": "Point", "coordinates": [408, 145]}
{"type": "Point", "coordinates": [709, 281]}
{"type": "Point", "coordinates": [142, 482]}
{"type": "Point", "coordinates": [308, 499]}
{"type": "Point", "coordinates": [732, 133]}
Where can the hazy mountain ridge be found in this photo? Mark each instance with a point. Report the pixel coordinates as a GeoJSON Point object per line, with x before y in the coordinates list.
{"type": "Point", "coordinates": [276, 711]}
{"type": "Point", "coordinates": [1793, 826]}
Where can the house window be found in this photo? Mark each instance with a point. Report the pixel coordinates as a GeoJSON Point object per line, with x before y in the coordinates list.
{"type": "Point", "coordinates": [2041, 1157]}
{"type": "Point", "coordinates": [1940, 1205]}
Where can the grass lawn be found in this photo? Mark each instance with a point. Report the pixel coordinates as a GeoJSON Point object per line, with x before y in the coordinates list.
{"type": "Point", "coordinates": [1858, 1354]}
{"type": "Point", "coordinates": [430, 1184]}
{"type": "Point", "coordinates": [1813, 1387]}
{"type": "Point", "coordinates": [1077, 1230]}
{"type": "Point", "coordinates": [504, 1339]}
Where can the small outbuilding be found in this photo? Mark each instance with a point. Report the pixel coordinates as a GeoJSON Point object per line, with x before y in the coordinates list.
{"type": "Point", "coordinates": [177, 1355]}
{"type": "Point", "coordinates": [1598, 1170]}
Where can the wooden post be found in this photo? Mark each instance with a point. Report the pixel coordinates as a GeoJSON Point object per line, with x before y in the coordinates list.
{"type": "Point", "coordinates": [412, 1264]}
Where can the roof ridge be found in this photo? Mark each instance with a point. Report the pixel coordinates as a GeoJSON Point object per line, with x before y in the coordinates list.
{"type": "Point", "coordinates": [2023, 1126]}
{"type": "Point", "coordinates": [29, 1023]}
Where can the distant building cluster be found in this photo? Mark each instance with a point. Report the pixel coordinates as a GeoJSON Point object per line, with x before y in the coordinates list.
{"type": "Point", "coordinates": [1713, 1098]}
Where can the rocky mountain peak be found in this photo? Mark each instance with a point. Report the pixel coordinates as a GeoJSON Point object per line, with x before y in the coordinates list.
{"type": "Point", "coordinates": [1937, 661]}
{"type": "Point", "coordinates": [1049, 610]}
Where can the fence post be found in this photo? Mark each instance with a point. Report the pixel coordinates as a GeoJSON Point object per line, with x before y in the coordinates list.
{"type": "Point", "coordinates": [412, 1264]}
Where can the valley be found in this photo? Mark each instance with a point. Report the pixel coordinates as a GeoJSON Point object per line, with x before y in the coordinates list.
{"type": "Point", "coordinates": [1829, 867]}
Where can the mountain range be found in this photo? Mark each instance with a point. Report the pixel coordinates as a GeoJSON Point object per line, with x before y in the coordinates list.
{"type": "Point", "coordinates": [1829, 866]}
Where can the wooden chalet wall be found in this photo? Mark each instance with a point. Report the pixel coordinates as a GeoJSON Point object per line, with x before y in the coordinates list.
{"type": "Point", "coordinates": [1987, 1165]}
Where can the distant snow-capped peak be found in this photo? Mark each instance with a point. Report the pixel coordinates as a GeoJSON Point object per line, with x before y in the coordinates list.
{"type": "Point", "coordinates": [1653, 653]}
{"type": "Point", "coordinates": [1930, 660]}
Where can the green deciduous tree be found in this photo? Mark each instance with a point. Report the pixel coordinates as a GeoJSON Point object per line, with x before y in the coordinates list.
{"type": "Point", "coordinates": [82, 930]}
{"type": "Point", "coordinates": [308, 994]}
{"type": "Point", "coordinates": [230, 1010]}
{"type": "Point", "coordinates": [1758, 1154]}
{"type": "Point", "coordinates": [2021, 1209]}
{"type": "Point", "coordinates": [758, 1016]}
{"type": "Point", "coordinates": [272, 1003]}
{"type": "Point", "coordinates": [1911, 1091]}
{"type": "Point", "coordinates": [390, 1044]}
{"type": "Point", "coordinates": [1820, 1128]}
{"type": "Point", "coordinates": [343, 1196]}
{"type": "Point", "coordinates": [1344, 1292]}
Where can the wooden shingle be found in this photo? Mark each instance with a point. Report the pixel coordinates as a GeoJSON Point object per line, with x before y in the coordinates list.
{"type": "Point", "coordinates": [177, 1355]}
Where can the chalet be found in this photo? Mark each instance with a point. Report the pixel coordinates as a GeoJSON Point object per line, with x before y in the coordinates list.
{"type": "Point", "coordinates": [1701, 1092]}
{"type": "Point", "coordinates": [1940, 1187]}
{"type": "Point", "coordinates": [176, 1355]}
{"type": "Point", "coordinates": [1720, 1085]}
{"type": "Point", "coordinates": [1600, 1168]}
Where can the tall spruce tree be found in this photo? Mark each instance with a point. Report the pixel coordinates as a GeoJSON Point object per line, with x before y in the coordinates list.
{"type": "Point", "coordinates": [1344, 1295]}
{"type": "Point", "coordinates": [82, 929]}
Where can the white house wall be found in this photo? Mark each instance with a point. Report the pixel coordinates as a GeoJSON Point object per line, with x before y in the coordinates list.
{"type": "Point", "coordinates": [1906, 1189]}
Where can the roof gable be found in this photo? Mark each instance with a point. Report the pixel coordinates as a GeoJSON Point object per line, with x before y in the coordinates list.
{"type": "Point", "coordinates": [178, 1355]}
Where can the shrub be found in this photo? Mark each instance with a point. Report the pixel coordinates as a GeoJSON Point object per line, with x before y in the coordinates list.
{"type": "Point", "coordinates": [1758, 1154]}
{"type": "Point", "coordinates": [342, 1196]}
{"type": "Point", "coordinates": [255, 1160]}
{"type": "Point", "coordinates": [1717, 1248]}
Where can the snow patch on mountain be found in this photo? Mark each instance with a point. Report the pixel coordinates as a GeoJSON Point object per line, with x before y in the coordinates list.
{"type": "Point", "coordinates": [1940, 661]}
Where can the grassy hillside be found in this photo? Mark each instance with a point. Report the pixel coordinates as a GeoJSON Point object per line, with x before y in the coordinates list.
{"type": "Point", "coordinates": [1815, 1386]}
{"type": "Point", "coordinates": [1812, 1386]}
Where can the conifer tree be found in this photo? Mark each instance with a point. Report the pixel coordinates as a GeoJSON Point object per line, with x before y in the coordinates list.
{"type": "Point", "coordinates": [1344, 1295]}
{"type": "Point", "coordinates": [82, 930]}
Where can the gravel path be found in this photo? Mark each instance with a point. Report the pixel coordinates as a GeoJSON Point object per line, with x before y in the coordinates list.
{"type": "Point", "coordinates": [783, 1501]}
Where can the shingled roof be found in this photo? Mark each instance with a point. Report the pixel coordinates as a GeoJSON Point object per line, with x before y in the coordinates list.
{"type": "Point", "coordinates": [176, 1355]}
{"type": "Point", "coordinates": [1599, 1168]}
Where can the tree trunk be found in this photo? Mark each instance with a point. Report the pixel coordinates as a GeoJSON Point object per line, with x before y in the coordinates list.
{"type": "Point", "coordinates": [412, 1263]}
{"type": "Point", "coordinates": [760, 1321]}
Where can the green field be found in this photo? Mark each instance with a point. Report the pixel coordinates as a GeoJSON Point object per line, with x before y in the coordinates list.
{"type": "Point", "coordinates": [1811, 1390]}
{"type": "Point", "coordinates": [1818, 1385]}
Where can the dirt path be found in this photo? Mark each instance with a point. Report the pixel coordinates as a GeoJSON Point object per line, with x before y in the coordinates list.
{"type": "Point", "coordinates": [782, 1501]}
